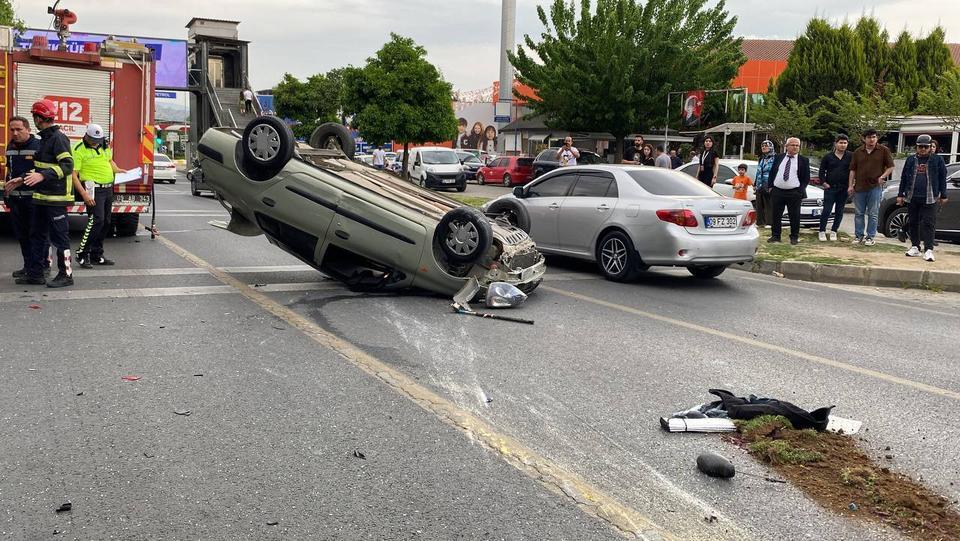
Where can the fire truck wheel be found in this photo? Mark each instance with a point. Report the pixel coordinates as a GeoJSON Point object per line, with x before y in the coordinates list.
{"type": "Point", "coordinates": [333, 136]}
{"type": "Point", "coordinates": [267, 146]}
{"type": "Point", "coordinates": [126, 224]}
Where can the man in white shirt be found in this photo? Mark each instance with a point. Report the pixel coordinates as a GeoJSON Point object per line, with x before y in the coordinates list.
{"type": "Point", "coordinates": [379, 158]}
{"type": "Point", "coordinates": [790, 174]}
{"type": "Point", "coordinates": [568, 154]}
{"type": "Point", "coordinates": [247, 105]}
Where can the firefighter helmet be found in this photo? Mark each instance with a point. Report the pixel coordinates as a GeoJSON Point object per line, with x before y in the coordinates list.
{"type": "Point", "coordinates": [44, 108]}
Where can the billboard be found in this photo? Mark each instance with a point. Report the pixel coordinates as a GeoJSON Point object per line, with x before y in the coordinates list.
{"type": "Point", "coordinates": [475, 124]}
{"type": "Point", "coordinates": [170, 54]}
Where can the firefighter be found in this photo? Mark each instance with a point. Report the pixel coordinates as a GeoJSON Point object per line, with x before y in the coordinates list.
{"type": "Point", "coordinates": [93, 165]}
{"type": "Point", "coordinates": [19, 198]}
{"type": "Point", "coordinates": [52, 183]}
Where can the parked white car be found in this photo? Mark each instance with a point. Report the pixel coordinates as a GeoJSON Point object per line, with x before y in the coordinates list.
{"type": "Point", "coordinates": [436, 167]}
{"type": "Point", "coordinates": [164, 169]}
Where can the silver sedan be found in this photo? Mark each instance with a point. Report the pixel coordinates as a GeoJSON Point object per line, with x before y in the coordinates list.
{"type": "Point", "coordinates": [628, 218]}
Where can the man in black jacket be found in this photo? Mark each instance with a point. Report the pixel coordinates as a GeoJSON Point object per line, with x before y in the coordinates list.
{"type": "Point", "coordinates": [834, 173]}
{"type": "Point", "coordinates": [787, 183]}
{"type": "Point", "coordinates": [923, 186]}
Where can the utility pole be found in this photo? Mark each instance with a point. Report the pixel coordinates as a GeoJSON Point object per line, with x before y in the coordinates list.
{"type": "Point", "coordinates": [502, 103]}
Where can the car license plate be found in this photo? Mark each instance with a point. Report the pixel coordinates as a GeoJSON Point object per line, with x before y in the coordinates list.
{"type": "Point", "coordinates": [449, 181]}
{"type": "Point", "coordinates": [721, 222]}
{"type": "Point", "coordinates": [815, 212]}
{"type": "Point", "coordinates": [131, 199]}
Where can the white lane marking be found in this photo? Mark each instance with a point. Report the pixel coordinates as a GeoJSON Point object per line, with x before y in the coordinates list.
{"type": "Point", "coordinates": [100, 272]}
{"type": "Point", "coordinates": [42, 295]}
{"type": "Point", "coordinates": [188, 215]}
{"type": "Point", "coordinates": [278, 268]}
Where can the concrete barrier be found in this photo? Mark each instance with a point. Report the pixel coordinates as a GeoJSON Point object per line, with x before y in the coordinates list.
{"type": "Point", "coordinates": [858, 275]}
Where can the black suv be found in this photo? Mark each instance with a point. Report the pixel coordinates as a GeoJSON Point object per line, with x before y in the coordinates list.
{"type": "Point", "coordinates": [547, 160]}
{"type": "Point", "coordinates": [893, 217]}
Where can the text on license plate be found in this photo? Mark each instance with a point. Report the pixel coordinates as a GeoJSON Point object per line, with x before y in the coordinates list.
{"type": "Point", "coordinates": [721, 222]}
{"type": "Point", "coordinates": [449, 181]}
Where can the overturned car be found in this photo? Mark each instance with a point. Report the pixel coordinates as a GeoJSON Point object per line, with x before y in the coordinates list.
{"type": "Point", "coordinates": [364, 227]}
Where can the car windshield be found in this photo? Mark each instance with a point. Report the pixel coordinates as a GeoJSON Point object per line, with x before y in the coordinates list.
{"type": "Point", "coordinates": [160, 158]}
{"type": "Point", "coordinates": [524, 162]}
{"type": "Point", "coordinates": [438, 157]}
{"type": "Point", "coordinates": [549, 155]}
{"type": "Point", "coordinates": [663, 182]}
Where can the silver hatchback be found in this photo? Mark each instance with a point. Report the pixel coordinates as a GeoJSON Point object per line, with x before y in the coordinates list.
{"type": "Point", "coordinates": [628, 218]}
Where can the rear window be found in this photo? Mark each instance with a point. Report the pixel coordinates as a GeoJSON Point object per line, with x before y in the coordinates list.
{"type": "Point", "coordinates": [160, 158]}
{"type": "Point", "coordinates": [549, 155]}
{"type": "Point", "coordinates": [589, 158]}
{"type": "Point", "coordinates": [524, 162]}
{"type": "Point", "coordinates": [663, 182]}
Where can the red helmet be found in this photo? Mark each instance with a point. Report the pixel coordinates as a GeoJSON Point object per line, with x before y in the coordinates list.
{"type": "Point", "coordinates": [44, 108]}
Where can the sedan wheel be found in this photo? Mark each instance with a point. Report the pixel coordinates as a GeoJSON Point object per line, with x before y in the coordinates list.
{"type": "Point", "coordinates": [479, 178]}
{"type": "Point", "coordinates": [507, 181]}
{"type": "Point", "coordinates": [896, 221]}
{"type": "Point", "coordinates": [706, 272]}
{"type": "Point", "coordinates": [618, 260]}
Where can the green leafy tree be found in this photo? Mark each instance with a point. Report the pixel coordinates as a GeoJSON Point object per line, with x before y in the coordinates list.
{"type": "Point", "coordinates": [8, 16]}
{"type": "Point", "coordinates": [310, 102]}
{"type": "Point", "coordinates": [399, 95]}
{"type": "Point", "coordinates": [845, 113]}
{"type": "Point", "coordinates": [933, 58]}
{"type": "Point", "coordinates": [609, 69]}
{"type": "Point", "coordinates": [876, 49]}
{"type": "Point", "coordinates": [943, 101]}
{"type": "Point", "coordinates": [824, 60]}
{"type": "Point", "coordinates": [784, 120]}
{"type": "Point", "coordinates": [903, 67]}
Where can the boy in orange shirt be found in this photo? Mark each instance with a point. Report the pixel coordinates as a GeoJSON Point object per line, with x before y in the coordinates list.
{"type": "Point", "coordinates": [741, 183]}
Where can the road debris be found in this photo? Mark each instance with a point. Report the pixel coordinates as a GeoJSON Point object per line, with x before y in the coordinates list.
{"type": "Point", "coordinates": [80, 393]}
{"type": "Point", "coordinates": [272, 523]}
{"type": "Point", "coordinates": [504, 295]}
{"type": "Point", "coordinates": [131, 378]}
{"type": "Point", "coordinates": [469, 312]}
{"type": "Point", "coordinates": [148, 455]}
{"type": "Point", "coordinates": [731, 406]}
{"type": "Point", "coordinates": [358, 454]}
{"type": "Point", "coordinates": [183, 413]}
{"type": "Point", "coordinates": [34, 307]}
{"type": "Point", "coordinates": [64, 507]}
{"type": "Point", "coordinates": [715, 465]}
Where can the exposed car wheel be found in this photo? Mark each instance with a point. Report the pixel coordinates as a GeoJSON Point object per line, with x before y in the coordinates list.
{"type": "Point", "coordinates": [267, 146]}
{"type": "Point", "coordinates": [507, 181]}
{"type": "Point", "coordinates": [617, 258]}
{"type": "Point", "coordinates": [462, 187]}
{"type": "Point", "coordinates": [125, 225]}
{"type": "Point", "coordinates": [333, 136]}
{"type": "Point", "coordinates": [464, 235]}
{"type": "Point", "coordinates": [422, 182]}
{"type": "Point", "coordinates": [895, 222]}
{"type": "Point", "coordinates": [706, 272]}
{"type": "Point", "coordinates": [511, 209]}
{"type": "Point", "coordinates": [174, 181]}
{"type": "Point", "coordinates": [480, 178]}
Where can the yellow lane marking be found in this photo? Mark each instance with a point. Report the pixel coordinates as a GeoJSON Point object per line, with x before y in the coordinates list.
{"type": "Point", "coordinates": [762, 345]}
{"type": "Point", "coordinates": [585, 495]}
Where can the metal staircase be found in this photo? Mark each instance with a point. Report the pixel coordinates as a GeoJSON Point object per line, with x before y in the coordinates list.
{"type": "Point", "coordinates": [227, 108]}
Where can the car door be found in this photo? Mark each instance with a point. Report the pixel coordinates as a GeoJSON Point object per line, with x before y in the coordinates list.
{"type": "Point", "coordinates": [949, 217]}
{"type": "Point", "coordinates": [543, 201]}
{"type": "Point", "coordinates": [499, 168]}
{"type": "Point", "coordinates": [589, 206]}
{"type": "Point", "coordinates": [417, 167]}
{"type": "Point", "coordinates": [296, 212]}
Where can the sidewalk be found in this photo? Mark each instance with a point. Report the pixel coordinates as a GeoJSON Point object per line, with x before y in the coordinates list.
{"type": "Point", "coordinates": [842, 262]}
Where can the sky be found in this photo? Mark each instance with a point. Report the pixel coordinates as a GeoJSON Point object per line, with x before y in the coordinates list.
{"type": "Point", "coordinates": [462, 37]}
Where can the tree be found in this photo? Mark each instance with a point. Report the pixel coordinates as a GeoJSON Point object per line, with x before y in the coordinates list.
{"type": "Point", "coordinates": [312, 102]}
{"type": "Point", "coordinates": [824, 60]}
{"type": "Point", "coordinates": [845, 113]}
{"type": "Point", "coordinates": [933, 58]}
{"type": "Point", "coordinates": [8, 17]}
{"type": "Point", "coordinates": [903, 68]}
{"type": "Point", "coordinates": [944, 101]}
{"type": "Point", "coordinates": [876, 49]}
{"type": "Point", "coordinates": [610, 69]}
{"type": "Point", "coordinates": [399, 95]}
{"type": "Point", "coordinates": [784, 120]}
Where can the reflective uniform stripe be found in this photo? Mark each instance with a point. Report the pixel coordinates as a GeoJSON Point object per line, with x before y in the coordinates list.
{"type": "Point", "coordinates": [52, 166]}
{"type": "Point", "coordinates": [63, 155]}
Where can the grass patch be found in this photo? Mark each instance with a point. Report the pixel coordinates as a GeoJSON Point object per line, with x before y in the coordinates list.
{"type": "Point", "coordinates": [832, 470]}
{"type": "Point", "coordinates": [470, 200]}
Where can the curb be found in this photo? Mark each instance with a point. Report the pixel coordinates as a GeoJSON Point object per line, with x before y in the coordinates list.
{"type": "Point", "coordinates": [858, 275]}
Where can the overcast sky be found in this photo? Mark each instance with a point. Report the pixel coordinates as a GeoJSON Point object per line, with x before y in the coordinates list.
{"type": "Point", "coordinates": [461, 37]}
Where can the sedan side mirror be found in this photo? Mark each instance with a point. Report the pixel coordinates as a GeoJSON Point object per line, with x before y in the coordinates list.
{"type": "Point", "coordinates": [518, 192]}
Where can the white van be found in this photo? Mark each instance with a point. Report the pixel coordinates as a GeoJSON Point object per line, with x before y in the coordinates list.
{"type": "Point", "coordinates": [436, 167]}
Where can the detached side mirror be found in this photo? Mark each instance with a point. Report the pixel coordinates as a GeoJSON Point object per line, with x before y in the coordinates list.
{"type": "Point", "coordinates": [518, 192]}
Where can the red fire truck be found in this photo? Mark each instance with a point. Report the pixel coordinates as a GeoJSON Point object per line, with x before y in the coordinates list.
{"type": "Point", "coordinates": [110, 84]}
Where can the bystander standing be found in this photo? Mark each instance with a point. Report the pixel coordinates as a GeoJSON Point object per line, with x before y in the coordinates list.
{"type": "Point", "coordinates": [789, 176]}
{"type": "Point", "coordinates": [761, 186]}
{"type": "Point", "coordinates": [870, 167]}
{"type": "Point", "coordinates": [833, 178]}
{"type": "Point", "coordinates": [741, 183]}
{"type": "Point", "coordinates": [709, 163]}
{"type": "Point", "coordinates": [675, 160]}
{"type": "Point", "coordinates": [379, 158]}
{"type": "Point", "coordinates": [631, 155]}
{"type": "Point", "coordinates": [923, 185]}
{"type": "Point", "coordinates": [19, 198]}
{"type": "Point", "coordinates": [662, 160]}
{"type": "Point", "coordinates": [568, 154]}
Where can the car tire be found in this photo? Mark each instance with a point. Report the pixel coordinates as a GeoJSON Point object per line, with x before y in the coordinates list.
{"type": "Point", "coordinates": [464, 235]}
{"type": "Point", "coordinates": [125, 225]}
{"type": "Point", "coordinates": [422, 182]}
{"type": "Point", "coordinates": [266, 147]}
{"type": "Point", "coordinates": [507, 181]}
{"type": "Point", "coordinates": [894, 222]}
{"type": "Point", "coordinates": [617, 258]}
{"type": "Point", "coordinates": [480, 179]}
{"type": "Point", "coordinates": [333, 136]}
{"type": "Point", "coordinates": [706, 272]}
{"type": "Point", "coordinates": [174, 181]}
{"type": "Point", "coordinates": [513, 210]}
{"type": "Point", "coordinates": [462, 187]}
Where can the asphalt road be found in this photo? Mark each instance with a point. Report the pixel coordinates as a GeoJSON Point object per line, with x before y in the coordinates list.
{"type": "Point", "coordinates": [469, 428]}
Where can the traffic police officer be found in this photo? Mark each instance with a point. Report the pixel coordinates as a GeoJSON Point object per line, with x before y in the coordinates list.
{"type": "Point", "coordinates": [53, 193]}
{"type": "Point", "coordinates": [19, 198]}
{"type": "Point", "coordinates": [93, 164]}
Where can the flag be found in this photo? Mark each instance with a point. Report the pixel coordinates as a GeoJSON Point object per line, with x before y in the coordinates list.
{"type": "Point", "coordinates": [692, 108]}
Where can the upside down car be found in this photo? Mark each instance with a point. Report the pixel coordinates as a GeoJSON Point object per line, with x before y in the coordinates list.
{"type": "Point", "coordinates": [364, 227]}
